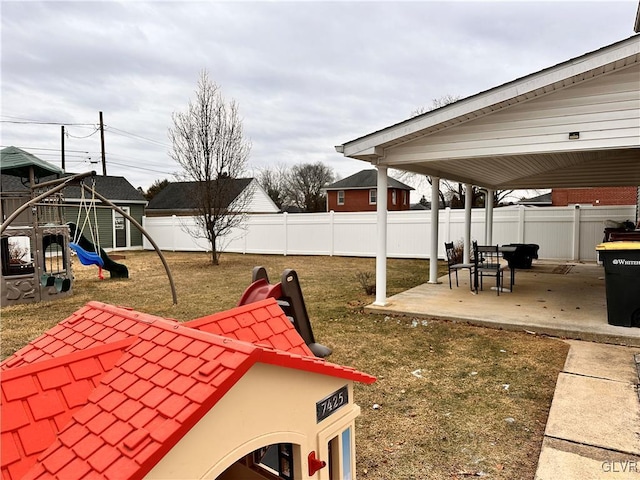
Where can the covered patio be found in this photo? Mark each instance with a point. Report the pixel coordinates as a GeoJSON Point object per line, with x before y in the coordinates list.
{"type": "Point", "coordinates": [575, 124]}
{"type": "Point", "coordinates": [562, 300]}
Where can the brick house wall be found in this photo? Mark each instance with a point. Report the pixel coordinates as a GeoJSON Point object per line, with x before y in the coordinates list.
{"type": "Point", "coordinates": [357, 200]}
{"type": "Point", "coordinates": [595, 196]}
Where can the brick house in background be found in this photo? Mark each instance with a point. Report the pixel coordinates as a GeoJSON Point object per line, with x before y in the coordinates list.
{"type": "Point", "coordinates": [595, 196]}
{"type": "Point", "coordinates": [358, 193]}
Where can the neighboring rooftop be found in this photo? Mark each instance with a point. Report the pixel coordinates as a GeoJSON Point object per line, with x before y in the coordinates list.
{"type": "Point", "coordinates": [365, 179]}
{"type": "Point", "coordinates": [544, 199]}
{"type": "Point", "coordinates": [183, 195]}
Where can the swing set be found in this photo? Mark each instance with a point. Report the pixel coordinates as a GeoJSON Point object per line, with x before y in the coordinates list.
{"type": "Point", "coordinates": [88, 257]}
{"type": "Point", "coordinates": [30, 276]}
{"type": "Point", "coordinates": [53, 246]}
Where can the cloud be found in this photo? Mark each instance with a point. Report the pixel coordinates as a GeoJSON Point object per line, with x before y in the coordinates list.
{"type": "Point", "coordinates": [306, 75]}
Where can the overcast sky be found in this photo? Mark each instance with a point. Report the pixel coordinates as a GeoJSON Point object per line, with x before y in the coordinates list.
{"type": "Point", "coordinates": [307, 75]}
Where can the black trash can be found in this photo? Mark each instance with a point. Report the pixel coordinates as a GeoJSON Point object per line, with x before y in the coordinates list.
{"type": "Point", "coordinates": [622, 282]}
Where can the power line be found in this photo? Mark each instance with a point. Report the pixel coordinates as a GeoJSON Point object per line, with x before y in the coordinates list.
{"type": "Point", "coordinates": [86, 136]}
{"type": "Point", "coordinates": [15, 119]}
{"type": "Point", "coordinates": [139, 168]}
{"type": "Point", "coordinates": [124, 133]}
{"type": "Point", "coordinates": [47, 149]}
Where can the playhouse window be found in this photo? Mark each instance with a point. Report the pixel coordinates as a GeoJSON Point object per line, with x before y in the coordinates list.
{"type": "Point", "coordinates": [340, 459]}
{"type": "Point", "coordinates": [55, 260]}
{"type": "Point", "coordinates": [16, 256]}
{"type": "Point", "coordinates": [373, 196]}
{"type": "Point", "coordinates": [394, 197]}
{"type": "Point", "coordinates": [340, 197]}
{"type": "Point", "coordinates": [275, 459]}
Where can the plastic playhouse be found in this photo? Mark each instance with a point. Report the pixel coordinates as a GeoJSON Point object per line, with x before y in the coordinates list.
{"type": "Point", "coordinates": [238, 395]}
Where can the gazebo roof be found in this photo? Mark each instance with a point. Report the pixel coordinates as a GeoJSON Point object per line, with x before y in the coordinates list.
{"type": "Point", "coordinates": [15, 161]}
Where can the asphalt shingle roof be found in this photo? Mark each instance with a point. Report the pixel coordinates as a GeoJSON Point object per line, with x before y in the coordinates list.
{"type": "Point", "coordinates": [365, 179]}
{"type": "Point", "coordinates": [111, 187]}
{"type": "Point", "coordinates": [183, 195]}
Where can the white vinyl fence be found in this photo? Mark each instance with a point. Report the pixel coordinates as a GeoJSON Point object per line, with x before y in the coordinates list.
{"type": "Point", "coordinates": [563, 233]}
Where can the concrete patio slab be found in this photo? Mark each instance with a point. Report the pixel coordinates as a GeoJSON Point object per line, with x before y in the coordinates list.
{"type": "Point", "coordinates": [565, 300]}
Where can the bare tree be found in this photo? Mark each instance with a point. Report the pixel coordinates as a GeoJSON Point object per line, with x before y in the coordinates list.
{"type": "Point", "coordinates": [436, 103]}
{"type": "Point", "coordinates": [303, 187]}
{"type": "Point", "coordinates": [155, 188]}
{"type": "Point", "coordinates": [451, 192]}
{"type": "Point", "coordinates": [273, 180]}
{"type": "Point", "coordinates": [208, 142]}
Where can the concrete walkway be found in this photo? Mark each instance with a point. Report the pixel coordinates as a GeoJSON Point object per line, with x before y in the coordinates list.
{"type": "Point", "coordinates": [593, 429]}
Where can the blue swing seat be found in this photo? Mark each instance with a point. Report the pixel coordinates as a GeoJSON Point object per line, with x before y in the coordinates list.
{"type": "Point", "coordinates": [85, 257]}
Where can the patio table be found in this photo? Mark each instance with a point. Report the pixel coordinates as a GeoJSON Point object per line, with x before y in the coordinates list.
{"type": "Point", "coordinates": [512, 268]}
{"type": "Point", "coordinates": [502, 249]}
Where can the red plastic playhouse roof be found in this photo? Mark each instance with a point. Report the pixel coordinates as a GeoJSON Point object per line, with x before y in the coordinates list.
{"type": "Point", "coordinates": [109, 391]}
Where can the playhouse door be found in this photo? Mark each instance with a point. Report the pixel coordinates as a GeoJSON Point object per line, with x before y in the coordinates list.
{"type": "Point", "coordinates": [121, 229]}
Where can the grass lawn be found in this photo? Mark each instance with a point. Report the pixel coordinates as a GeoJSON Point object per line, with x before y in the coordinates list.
{"type": "Point", "coordinates": [454, 400]}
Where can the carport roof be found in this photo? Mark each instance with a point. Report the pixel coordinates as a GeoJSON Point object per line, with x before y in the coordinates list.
{"type": "Point", "coordinates": [599, 167]}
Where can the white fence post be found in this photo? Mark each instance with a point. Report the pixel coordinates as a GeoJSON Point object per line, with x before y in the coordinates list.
{"type": "Point", "coordinates": [174, 231]}
{"type": "Point", "coordinates": [575, 254]}
{"type": "Point", "coordinates": [521, 219]}
{"type": "Point", "coordinates": [332, 229]}
{"type": "Point", "coordinates": [285, 226]}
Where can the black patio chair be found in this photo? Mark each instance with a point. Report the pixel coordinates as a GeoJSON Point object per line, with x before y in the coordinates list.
{"type": "Point", "coordinates": [454, 264]}
{"type": "Point", "coordinates": [487, 264]}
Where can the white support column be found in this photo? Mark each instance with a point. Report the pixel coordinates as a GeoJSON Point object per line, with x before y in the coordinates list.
{"type": "Point", "coordinates": [468, 200]}
{"type": "Point", "coordinates": [381, 253]}
{"type": "Point", "coordinates": [435, 212]}
{"type": "Point", "coordinates": [488, 218]}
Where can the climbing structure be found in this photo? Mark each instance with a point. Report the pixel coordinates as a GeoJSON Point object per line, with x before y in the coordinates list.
{"type": "Point", "coordinates": [34, 248]}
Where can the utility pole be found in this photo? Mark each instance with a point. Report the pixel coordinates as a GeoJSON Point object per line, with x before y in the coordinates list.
{"type": "Point", "coordinates": [62, 144]}
{"type": "Point", "coordinates": [104, 162]}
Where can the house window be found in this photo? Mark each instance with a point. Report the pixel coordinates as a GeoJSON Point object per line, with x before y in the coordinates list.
{"type": "Point", "coordinates": [394, 200]}
{"type": "Point", "coordinates": [340, 197]}
{"type": "Point", "coordinates": [404, 197]}
{"type": "Point", "coordinates": [276, 460]}
{"type": "Point", "coordinates": [373, 196]}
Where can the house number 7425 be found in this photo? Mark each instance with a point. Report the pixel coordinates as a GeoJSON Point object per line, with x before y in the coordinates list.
{"type": "Point", "coordinates": [330, 404]}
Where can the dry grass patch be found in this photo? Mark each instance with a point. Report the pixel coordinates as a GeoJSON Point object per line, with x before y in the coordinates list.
{"type": "Point", "coordinates": [455, 400]}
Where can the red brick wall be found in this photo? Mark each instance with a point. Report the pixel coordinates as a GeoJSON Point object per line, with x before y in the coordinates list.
{"type": "Point", "coordinates": [594, 196]}
{"type": "Point", "coordinates": [358, 201]}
